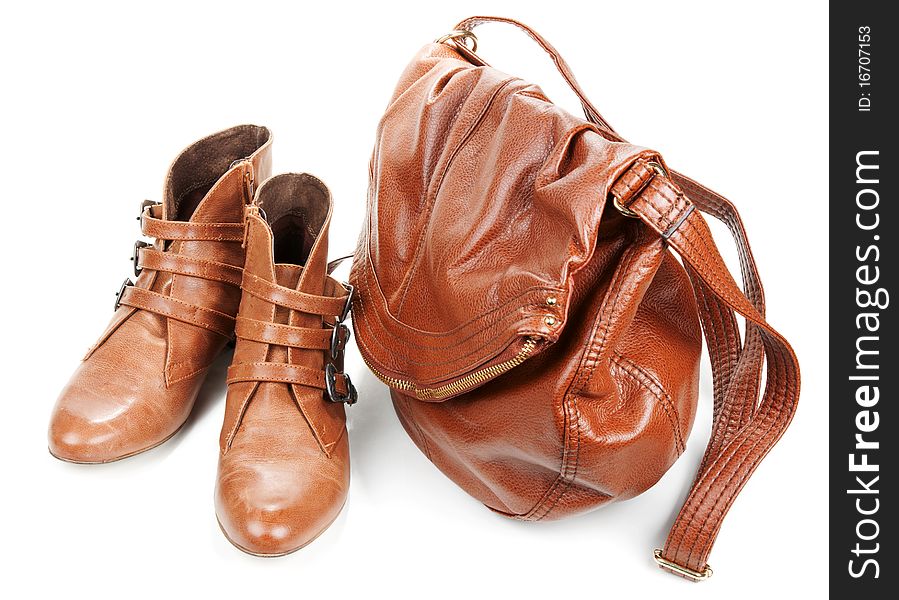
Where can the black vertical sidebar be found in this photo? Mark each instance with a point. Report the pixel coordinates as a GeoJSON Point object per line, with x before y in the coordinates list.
{"type": "Point", "coordinates": [864, 437]}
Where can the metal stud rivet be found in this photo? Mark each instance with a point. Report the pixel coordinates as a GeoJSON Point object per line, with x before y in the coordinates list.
{"type": "Point", "coordinates": [551, 301]}
{"type": "Point", "coordinates": [551, 321]}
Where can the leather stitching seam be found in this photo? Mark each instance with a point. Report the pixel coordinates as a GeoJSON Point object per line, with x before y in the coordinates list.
{"type": "Point", "coordinates": [591, 360]}
{"type": "Point", "coordinates": [638, 374]}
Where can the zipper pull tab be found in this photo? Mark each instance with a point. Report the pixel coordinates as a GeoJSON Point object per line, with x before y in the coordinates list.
{"type": "Point", "coordinates": [249, 210]}
{"type": "Point", "coordinates": [249, 181]}
{"type": "Point", "coordinates": [249, 178]}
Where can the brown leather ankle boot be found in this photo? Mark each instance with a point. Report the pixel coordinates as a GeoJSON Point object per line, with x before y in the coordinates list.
{"type": "Point", "coordinates": [136, 386]}
{"type": "Point", "coordinates": [284, 467]}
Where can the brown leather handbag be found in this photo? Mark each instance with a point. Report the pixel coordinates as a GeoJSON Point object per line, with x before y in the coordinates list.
{"type": "Point", "coordinates": [517, 290]}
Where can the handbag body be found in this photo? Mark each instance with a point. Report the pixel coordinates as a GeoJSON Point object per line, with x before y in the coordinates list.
{"type": "Point", "coordinates": [534, 290]}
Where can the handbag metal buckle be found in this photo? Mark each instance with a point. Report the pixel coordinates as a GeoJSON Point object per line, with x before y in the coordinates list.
{"type": "Point", "coordinates": [331, 386]}
{"type": "Point", "coordinates": [460, 36]}
{"type": "Point", "coordinates": [660, 170]}
{"type": "Point", "coordinates": [679, 570]}
{"type": "Point", "coordinates": [623, 209]}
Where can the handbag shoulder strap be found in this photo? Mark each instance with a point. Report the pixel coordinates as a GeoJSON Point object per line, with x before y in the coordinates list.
{"type": "Point", "coordinates": [745, 427]}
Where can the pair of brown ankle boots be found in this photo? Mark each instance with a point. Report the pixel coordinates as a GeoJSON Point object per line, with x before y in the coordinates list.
{"type": "Point", "coordinates": [236, 255]}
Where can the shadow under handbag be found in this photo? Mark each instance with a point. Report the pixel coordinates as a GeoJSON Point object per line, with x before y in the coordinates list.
{"type": "Point", "coordinates": [517, 291]}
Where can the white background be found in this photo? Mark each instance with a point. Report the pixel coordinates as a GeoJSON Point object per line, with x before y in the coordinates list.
{"type": "Point", "coordinates": [98, 99]}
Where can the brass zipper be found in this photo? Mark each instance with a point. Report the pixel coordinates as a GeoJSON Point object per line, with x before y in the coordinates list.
{"type": "Point", "coordinates": [457, 387]}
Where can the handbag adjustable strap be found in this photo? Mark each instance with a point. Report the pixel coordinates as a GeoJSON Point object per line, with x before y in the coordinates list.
{"type": "Point", "coordinates": [744, 428]}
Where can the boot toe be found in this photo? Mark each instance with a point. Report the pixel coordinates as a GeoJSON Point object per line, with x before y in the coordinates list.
{"type": "Point", "coordinates": [74, 438]}
{"type": "Point", "coordinates": [272, 510]}
{"type": "Point", "coordinates": [99, 428]}
{"type": "Point", "coordinates": [263, 533]}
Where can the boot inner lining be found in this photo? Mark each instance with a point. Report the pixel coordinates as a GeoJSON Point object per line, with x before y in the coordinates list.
{"type": "Point", "coordinates": [202, 164]}
{"type": "Point", "coordinates": [296, 207]}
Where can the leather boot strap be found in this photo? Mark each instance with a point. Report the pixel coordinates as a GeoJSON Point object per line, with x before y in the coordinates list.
{"type": "Point", "coordinates": [179, 310]}
{"type": "Point", "coordinates": [153, 258]}
{"type": "Point", "coordinates": [284, 373]}
{"type": "Point", "coordinates": [179, 264]}
{"type": "Point", "coordinates": [152, 225]}
{"type": "Point", "coordinates": [333, 304]}
{"type": "Point", "coordinates": [283, 335]}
